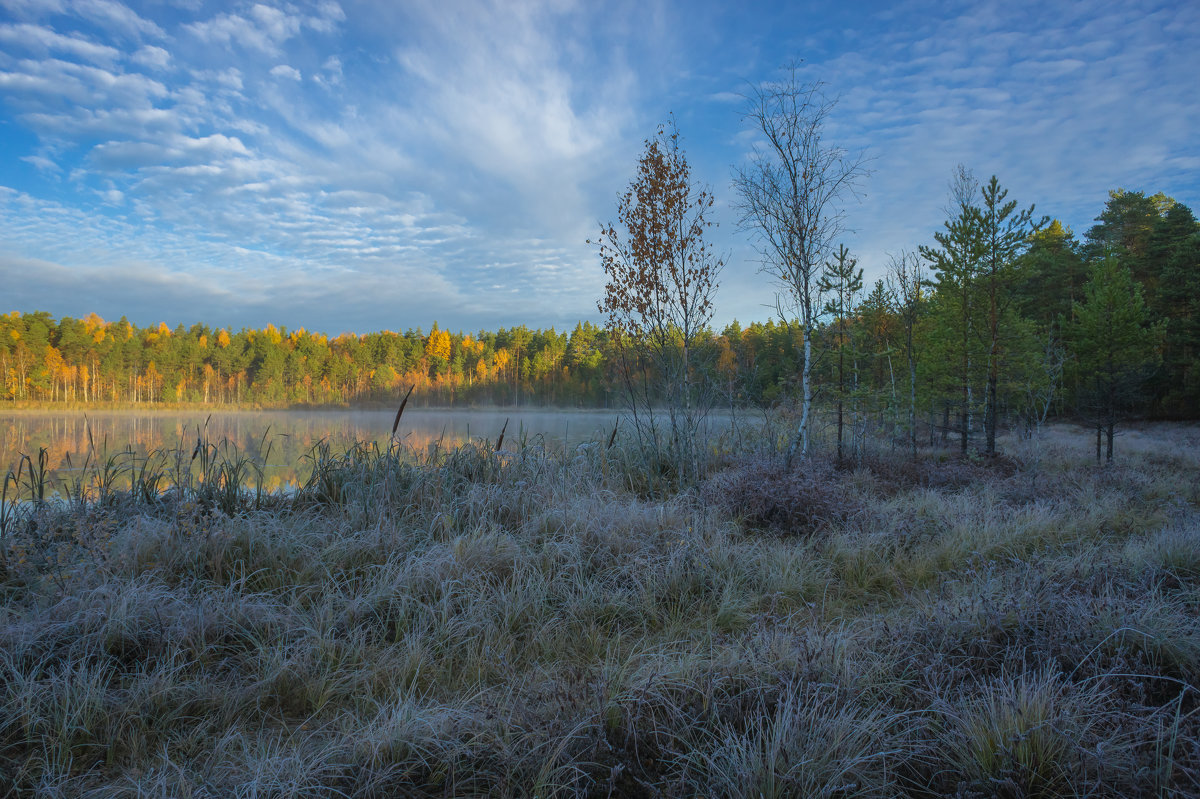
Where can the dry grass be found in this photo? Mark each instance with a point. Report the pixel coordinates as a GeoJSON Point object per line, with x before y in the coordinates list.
{"type": "Point", "coordinates": [489, 624]}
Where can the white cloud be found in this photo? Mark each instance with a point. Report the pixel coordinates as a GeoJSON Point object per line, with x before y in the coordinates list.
{"type": "Point", "coordinates": [81, 84]}
{"type": "Point", "coordinates": [497, 88]}
{"type": "Point", "coordinates": [331, 72]}
{"type": "Point", "coordinates": [329, 15]}
{"type": "Point", "coordinates": [474, 147]}
{"type": "Point", "coordinates": [176, 149]}
{"type": "Point", "coordinates": [357, 185]}
{"type": "Point", "coordinates": [45, 40]}
{"type": "Point", "coordinates": [265, 28]}
{"type": "Point", "coordinates": [727, 97]}
{"type": "Point", "coordinates": [80, 122]}
{"type": "Point", "coordinates": [184, 275]}
{"type": "Point", "coordinates": [277, 25]}
{"type": "Point", "coordinates": [285, 71]}
{"type": "Point", "coordinates": [32, 9]}
{"type": "Point", "coordinates": [229, 29]}
{"type": "Point", "coordinates": [229, 79]}
{"type": "Point", "coordinates": [116, 17]}
{"type": "Point", "coordinates": [151, 57]}
{"type": "Point", "coordinates": [42, 163]}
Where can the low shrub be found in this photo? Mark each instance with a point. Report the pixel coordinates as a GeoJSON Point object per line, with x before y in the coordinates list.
{"type": "Point", "coordinates": [767, 496]}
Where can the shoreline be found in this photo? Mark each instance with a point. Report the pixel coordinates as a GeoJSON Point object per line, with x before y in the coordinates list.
{"type": "Point", "coordinates": [201, 410]}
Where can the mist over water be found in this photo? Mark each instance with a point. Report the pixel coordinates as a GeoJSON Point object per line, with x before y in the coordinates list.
{"type": "Point", "coordinates": [279, 440]}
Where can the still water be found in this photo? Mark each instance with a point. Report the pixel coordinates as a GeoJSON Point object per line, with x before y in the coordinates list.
{"type": "Point", "coordinates": [276, 440]}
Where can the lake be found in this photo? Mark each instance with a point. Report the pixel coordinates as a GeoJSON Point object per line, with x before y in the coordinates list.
{"type": "Point", "coordinates": [278, 439]}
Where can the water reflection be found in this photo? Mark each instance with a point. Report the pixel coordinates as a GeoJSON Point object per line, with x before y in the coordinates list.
{"type": "Point", "coordinates": [275, 440]}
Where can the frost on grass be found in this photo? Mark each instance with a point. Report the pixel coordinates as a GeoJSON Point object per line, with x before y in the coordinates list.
{"type": "Point", "coordinates": [534, 624]}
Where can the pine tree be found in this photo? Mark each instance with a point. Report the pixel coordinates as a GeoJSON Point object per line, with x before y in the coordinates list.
{"type": "Point", "coordinates": [957, 261]}
{"type": "Point", "coordinates": [1115, 348]}
{"type": "Point", "coordinates": [1006, 233]}
{"type": "Point", "coordinates": [1052, 274]}
{"type": "Point", "coordinates": [842, 281]}
{"type": "Point", "coordinates": [1174, 249]}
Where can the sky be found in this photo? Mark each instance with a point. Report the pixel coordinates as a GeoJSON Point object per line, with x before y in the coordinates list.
{"type": "Point", "coordinates": [360, 165]}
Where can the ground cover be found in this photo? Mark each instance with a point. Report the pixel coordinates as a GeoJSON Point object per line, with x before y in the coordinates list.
{"type": "Point", "coordinates": [544, 623]}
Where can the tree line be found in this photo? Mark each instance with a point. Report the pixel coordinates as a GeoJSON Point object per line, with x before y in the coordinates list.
{"type": "Point", "coordinates": [1008, 319]}
{"type": "Point", "coordinates": [944, 334]}
{"type": "Point", "coordinates": [90, 360]}
{"type": "Point", "coordinates": [1003, 317]}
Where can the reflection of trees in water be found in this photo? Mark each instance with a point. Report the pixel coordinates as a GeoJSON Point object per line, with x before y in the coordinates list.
{"type": "Point", "coordinates": [277, 441]}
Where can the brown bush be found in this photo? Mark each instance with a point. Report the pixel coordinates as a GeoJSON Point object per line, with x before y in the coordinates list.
{"type": "Point", "coordinates": [767, 496]}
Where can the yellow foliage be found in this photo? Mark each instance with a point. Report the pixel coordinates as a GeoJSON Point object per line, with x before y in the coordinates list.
{"type": "Point", "coordinates": [470, 345]}
{"type": "Point", "coordinates": [726, 360]}
{"type": "Point", "coordinates": [438, 345]}
{"type": "Point", "coordinates": [95, 327]}
{"type": "Point", "coordinates": [53, 360]}
{"type": "Point", "coordinates": [223, 339]}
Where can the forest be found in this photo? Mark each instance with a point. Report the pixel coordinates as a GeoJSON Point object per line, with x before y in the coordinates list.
{"type": "Point", "coordinates": [1112, 319]}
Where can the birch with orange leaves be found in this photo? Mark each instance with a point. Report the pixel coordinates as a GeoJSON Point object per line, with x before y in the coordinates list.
{"type": "Point", "coordinates": [662, 276]}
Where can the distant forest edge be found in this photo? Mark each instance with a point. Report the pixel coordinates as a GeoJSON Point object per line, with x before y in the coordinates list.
{"type": "Point", "coordinates": [1151, 239]}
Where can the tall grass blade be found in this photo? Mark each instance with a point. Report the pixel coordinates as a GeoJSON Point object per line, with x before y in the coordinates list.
{"type": "Point", "coordinates": [7, 511]}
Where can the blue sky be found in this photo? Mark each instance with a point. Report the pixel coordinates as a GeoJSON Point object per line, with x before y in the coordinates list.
{"type": "Point", "coordinates": [356, 165]}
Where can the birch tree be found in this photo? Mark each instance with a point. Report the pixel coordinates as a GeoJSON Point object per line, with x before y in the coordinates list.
{"type": "Point", "coordinates": [791, 193]}
{"type": "Point", "coordinates": [662, 275]}
{"type": "Point", "coordinates": [906, 278]}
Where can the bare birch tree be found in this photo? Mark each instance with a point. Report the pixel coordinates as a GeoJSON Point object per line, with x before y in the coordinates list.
{"type": "Point", "coordinates": [906, 279]}
{"type": "Point", "coordinates": [791, 193]}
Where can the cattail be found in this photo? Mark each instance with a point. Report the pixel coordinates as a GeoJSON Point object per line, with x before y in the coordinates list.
{"type": "Point", "coordinates": [400, 410]}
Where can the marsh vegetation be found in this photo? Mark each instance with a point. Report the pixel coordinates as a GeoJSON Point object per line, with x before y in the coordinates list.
{"type": "Point", "coordinates": [279, 444]}
{"type": "Point", "coordinates": [558, 622]}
